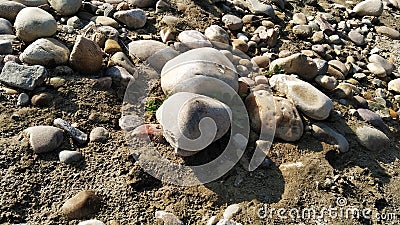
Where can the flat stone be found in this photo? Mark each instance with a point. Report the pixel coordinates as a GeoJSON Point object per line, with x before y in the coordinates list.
{"type": "Point", "coordinates": [372, 139]}
{"type": "Point", "coordinates": [302, 30]}
{"type": "Point", "coordinates": [76, 134]}
{"type": "Point", "coordinates": [372, 118]}
{"type": "Point", "coordinates": [297, 63]}
{"type": "Point", "coordinates": [357, 38]}
{"type": "Point", "coordinates": [376, 69]}
{"type": "Point", "coordinates": [232, 22]}
{"type": "Point", "coordinates": [143, 49]}
{"type": "Point", "coordinates": [32, 23]}
{"type": "Point", "coordinates": [256, 7]}
{"type": "Point", "coordinates": [99, 134]}
{"type": "Point", "coordinates": [45, 52]}
{"type": "Point", "coordinates": [387, 31]}
{"type": "Point", "coordinates": [394, 85]}
{"type": "Point", "coordinates": [83, 204]}
{"type": "Point", "coordinates": [44, 139]}
{"type": "Point", "coordinates": [24, 77]}
{"type": "Point", "coordinates": [105, 21]}
{"type": "Point", "coordinates": [326, 134]}
{"type": "Point", "coordinates": [5, 26]}
{"type": "Point", "coordinates": [385, 64]}
{"type": "Point", "coordinates": [86, 56]}
{"type": "Point", "coordinates": [10, 9]}
{"type": "Point", "coordinates": [134, 18]}
{"type": "Point", "coordinates": [66, 7]}
{"type": "Point", "coordinates": [369, 8]}
{"type": "Point", "coordinates": [194, 39]}
{"type": "Point", "coordinates": [70, 156]}
{"type": "Point", "coordinates": [306, 97]}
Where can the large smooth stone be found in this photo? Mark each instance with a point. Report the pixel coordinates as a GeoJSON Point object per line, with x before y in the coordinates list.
{"type": "Point", "coordinates": [256, 7]}
{"type": "Point", "coordinates": [24, 77]}
{"type": "Point", "coordinates": [66, 7]}
{"type": "Point", "coordinates": [185, 118]}
{"type": "Point", "coordinates": [5, 27]}
{"type": "Point", "coordinates": [387, 31]}
{"type": "Point", "coordinates": [369, 8]}
{"type": "Point", "coordinates": [86, 56]}
{"type": "Point", "coordinates": [32, 23]}
{"type": "Point", "coordinates": [385, 64]}
{"type": "Point", "coordinates": [306, 97]}
{"type": "Point", "coordinates": [373, 139]}
{"type": "Point", "coordinates": [217, 34]}
{"type": "Point", "coordinates": [134, 18]}
{"type": "Point", "coordinates": [45, 51]}
{"type": "Point", "coordinates": [44, 139]}
{"type": "Point", "coordinates": [32, 3]}
{"type": "Point", "coordinates": [202, 61]}
{"type": "Point", "coordinates": [289, 125]}
{"type": "Point", "coordinates": [81, 205]}
{"type": "Point", "coordinates": [394, 85]}
{"type": "Point", "coordinates": [10, 9]}
{"type": "Point", "coordinates": [297, 63]}
{"type": "Point", "coordinates": [194, 39]}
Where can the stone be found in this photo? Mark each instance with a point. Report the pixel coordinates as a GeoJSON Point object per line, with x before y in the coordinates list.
{"type": "Point", "coordinates": [168, 218]}
{"type": "Point", "coordinates": [326, 134]}
{"type": "Point", "coordinates": [152, 131]}
{"type": "Point", "coordinates": [112, 46]}
{"type": "Point", "coordinates": [120, 76]}
{"type": "Point", "coordinates": [232, 22]}
{"type": "Point", "coordinates": [57, 82]}
{"type": "Point", "coordinates": [86, 56]}
{"type": "Point", "coordinates": [5, 27]}
{"type": "Point", "coordinates": [160, 58]}
{"type": "Point", "coordinates": [120, 59]}
{"type": "Point", "coordinates": [261, 61]}
{"type": "Point", "coordinates": [213, 220]}
{"type": "Point", "coordinates": [83, 204]}
{"type": "Point", "coordinates": [32, 23]}
{"type": "Point", "coordinates": [206, 62]}
{"type": "Point", "coordinates": [10, 9]}
{"type": "Point", "coordinates": [105, 21]}
{"type": "Point", "coordinates": [300, 19]}
{"type": "Point", "coordinates": [385, 64]}
{"type": "Point", "coordinates": [369, 8]}
{"type": "Point", "coordinates": [23, 99]}
{"type": "Point", "coordinates": [394, 85]}
{"type": "Point", "coordinates": [337, 69]}
{"type": "Point", "coordinates": [356, 38]}
{"type": "Point", "coordinates": [24, 77]}
{"type": "Point", "coordinates": [69, 157]}
{"type": "Point", "coordinates": [372, 118]}
{"type": "Point", "coordinates": [5, 47]}
{"type": "Point", "coordinates": [372, 139]}
{"type": "Point", "coordinates": [32, 3]}
{"type": "Point", "coordinates": [42, 99]}
{"type": "Point", "coordinates": [297, 63]}
{"type": "Point", "coordinates": [217, 34]}
{"type": "Point", "coordinates": [376, 69]}
{"type": "Point", "coordinates": [99, 134]}
{"type": "Point", "coordinates": [322, 66]}
{"type": "Point", "coordinates": [103, 83]}
{"type": "Point", "coordinates": [143, 49]}
{"type": "Point", "coordinates": [194, 39]}
{"type": "Point", "coordinates": [289, 125]}
{"type": "Point", "coordinates": [91, 222]}
{"type": "Point", "coordinates": [75, 22]}
{"type": "Point", "coordinates": [256, 7]}
{"type": "Point", "coordinates": [129, 122]}
{"type": "Point", "coordinates": [302, 31]}
{"type": "Point", "coordinates": [387, 31]}
{"type": "Point", "coordinates": [66, 7]}
{"type": "Point", "coordinates": [231, 211]}
{"type": "Point", "coordinates": [45, 52]}
{"type": "Point", "coordinates": [143, 3]}
{"type": "Point", "coordinates": [134, 18]}
{"type": "Point", "coordinates": [43, 139]}
{"type": "Point", "coordinates": [76, 134]}
{"type": "Point", "coordinates": [306, 97]}
{"type": "Point", "coordinates": [180, 117]}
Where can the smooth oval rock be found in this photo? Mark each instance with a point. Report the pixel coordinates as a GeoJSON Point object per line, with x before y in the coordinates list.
{"type": "Point", "coordinates": [369, 8]}
{"type": "Point", "coordinates": [357, 38]}
{"type": "Point", "coordinates": [387, 31]}
{"type": "Point", "coordinates": [372, 139]}
{"type": "Point", "coordinates": [99, 134]}
{"type": "Point", "coordinates": [42, 99]}
{"type": "Point", "coordinates": [231, 211]}
{"type": "Point", "coordinates": [372, 118]}
{"type": "Point", "coordinates": [306, 97]}
{"type": "Point", "coordinates": [297, 63]}
{"type": "Point", "coordinates": [232, 22]}
{"type": "Point", "coordinates": [46, 52]}
{"type": "Point", "coordinates": [217, 33]}
{"type": "Point", "coordinates": [134, 18]}
{"type": "Point", "coordinates": [5, 27]}
{"type": "Point", "coordinates": [10, 9]}
{"type": "Point", "coordinates": [81, 205]}
{"type": "Point", "coordinates": [376, 69]}
{"type": "Point", "coordinates": [44, 139]}
{"type": "Point", "coordinates": [70, 156]}
{"type": "Point", "coordinates": [194, 39]}
{"type": "Point", "coordinates": [86, 56]}
{"type": "Point", "coordinates": [327, 82]}
{"type": "Point", "coordinates": [143, 3]}
{"type": "Point", "coordinates": [105, 21]}
{"type": "Point", "coordinates": [91, 222]}
{"type": "Point", "coordinates": [394, 85]}
{"type": "Point", "coordinates": [32, 23]}
{"type": "Point", "coordinates": [385, 64]}
{"type": "Point", "coordinates": [66, 7]}
{"type": "Point", "coordinates": [289, 125]}
{"type": "Point", "coordinates": [186, 121]}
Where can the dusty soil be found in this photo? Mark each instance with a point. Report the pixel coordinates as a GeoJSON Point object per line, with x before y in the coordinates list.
{"type": "Point", "coordinates": [33, 187]}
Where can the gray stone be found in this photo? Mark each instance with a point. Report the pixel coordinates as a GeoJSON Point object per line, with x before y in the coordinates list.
{"type": "Point", "coordinates": [306, 97]}
{"type": "Point", "coordinates": [302, 30]}
{"type": "Point", "coordinates": [372, 118]}
{"type": "Point", "coordinates": [256, 7]}
{"type": "Point", "coordinates": [120, 76]}
{"type": "Point", "coordinates": [326, 134]}
{"type": "Point", "coordinates": [76, 134]}
{"type": "Point", "coordinates": [75, 22]}
{"type": "Point", "coordinates": [45, 52]}
{"type": "Point", "coordinates": [105, 21]}
{"type": "Point", "coordinates": [66, 7]}
{"type": "Point", "coordinates": [232, 22]}
{"type": "Point", "coordinates": [5, 27]}
{"type": "Point", "coordinates": [357, 38]}
{"type": "Point", "coordinates": [24, 77]}
{"type": "Point", "coordinates": [180, 116]}
{"type": "Point", "coordinates": [168, 218]}
{"type": "Point", "coordinates": [70, 156]}
{"type": "Point", "coordinates": [44, 139]}
{"type": "Point", "coordinates": [369, 8]}
{"type": "Point", "coordinates": [143, 49]}
{"type": "Point", "coordinates": [32, 3]}
{"type": "Point", "coordinates": [372, 139]}
{"type": "Point", "coordinates": [376, 69]}
{"type": "Point", "coordinates": [387, 31]}
{"type": "Point", "coordinates": [32, 23]}
{"type": "Point", "coordinates": [120, 59]}
{"type": "Point", "coordinates": [86, 56]}
{"type": "Point", "coordinates": [5, 47]}
{"type": "Point", "coordinates": [385, 64]}
{"type": "Point", "coordinates": [194, 39]}
{"type": "Point", "coordinates": [134, 18]}
{"type": "Point", "coordinates": [300, 19]}
{"type": "Point", "coordinates": [143, 3]}
{"type": "Point", "coordinates": [129, 122]}
{"type": "Point", "coordinates": [23, 99]}
{"type": "Point", "coordinates": [10, 9]}
{"type": "Point", "coordinates": [394, 85]}
{"type": "Point", "coordinates": [322, 66]}
{"type": "Point", "coordinates": [217, 34]}
{"type": "Point", "coordinates": [297, 63]}
{"type": "Point", "coordinates": [99, 134]}
{"type": "Point", "coordinates": [83, 204]}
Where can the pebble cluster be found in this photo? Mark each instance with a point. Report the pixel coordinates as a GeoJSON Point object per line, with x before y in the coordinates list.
{"type": "Point", "coordinates": [339, 67]}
